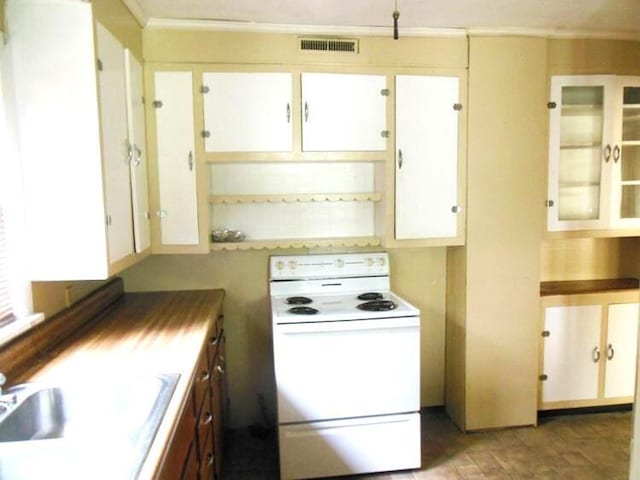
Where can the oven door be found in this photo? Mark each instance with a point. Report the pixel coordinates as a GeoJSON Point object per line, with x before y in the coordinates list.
{"type": "Point", "coordinates": [346, 369]}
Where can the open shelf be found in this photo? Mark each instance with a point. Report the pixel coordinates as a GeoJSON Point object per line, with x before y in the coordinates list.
{"type": "Point", "coordinates": [272, 244]}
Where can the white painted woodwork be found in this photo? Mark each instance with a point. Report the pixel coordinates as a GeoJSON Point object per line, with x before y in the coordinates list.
{"type": "Point", "coordinates": [574, 333]}
{"type": "Point", "coordinates": [176, 158]}
{"type": "Point", "coordinates": [426, 157]}
{"type": "Point", "coordinates": [115, 144]}
{"type": "Point", "coordinates": [248, 112]}
{"type": "Point", "coordinates": [54, 76]}
{"type": "Point", "coordinates": [343, 112]}
{"type": "Point", "coordinates": [622, 347]}
{"type": "Point", "coordinates": [594, 153]}
{"type": "Point", "coordinates": [137, 143]}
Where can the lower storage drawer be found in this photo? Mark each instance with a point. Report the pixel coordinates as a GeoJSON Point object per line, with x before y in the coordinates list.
{"type": "Point", "coordinates": [343, 447]}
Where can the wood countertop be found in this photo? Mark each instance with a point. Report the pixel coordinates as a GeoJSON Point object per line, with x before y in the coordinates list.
{"type": "Point", "coordinates": [140, 334]}
{"type": "Point", "coordinates": [587, 286]}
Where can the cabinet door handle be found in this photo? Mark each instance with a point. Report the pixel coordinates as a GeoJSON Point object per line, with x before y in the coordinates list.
{"type": "Point", "coordinates": [137, 159]}
{"type": "Point", "coordinates": [207, 419]}
{"type": "Point", "coordinates": [129, 158]}
{"type": "Point", "coordinates": [190, 161]}
{"type": "Point", "coordinates": [400, 160]}
{"type": "Point", "coordinates": [610, 352]}
{"type": "Point", "coordinates": [595, 354]}
{"type": "Point", "coordinates": [220, 369]}
{"type": "Point", "coordinates": [607, 153]}
{"type": "Point", "coordinates": [204, 376]}
{"type": "Point", "coordinates": [616, 153]}
{"type": "Point", "coordinates": [306, 111]}
{"type": "Point", "coordinates": [288, 113]}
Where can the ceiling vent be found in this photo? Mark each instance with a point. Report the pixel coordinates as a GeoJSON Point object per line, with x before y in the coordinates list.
{"type": "Point", "coordinates": [328, 45]}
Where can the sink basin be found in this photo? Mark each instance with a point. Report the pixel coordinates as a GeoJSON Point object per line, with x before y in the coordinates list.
{"type": "Point", "coordinates": [111, 422]}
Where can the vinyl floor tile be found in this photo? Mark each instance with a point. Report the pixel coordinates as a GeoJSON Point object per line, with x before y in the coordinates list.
{"type": "Point", "coordinates": [592, 446]}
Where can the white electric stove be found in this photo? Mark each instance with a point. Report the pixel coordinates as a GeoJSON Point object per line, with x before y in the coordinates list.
{"type": "Point", "coordinates": [347, 365]}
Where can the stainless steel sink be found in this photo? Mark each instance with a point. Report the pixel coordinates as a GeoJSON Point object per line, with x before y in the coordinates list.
{"type": "Point", "coordinates": [112, 423]}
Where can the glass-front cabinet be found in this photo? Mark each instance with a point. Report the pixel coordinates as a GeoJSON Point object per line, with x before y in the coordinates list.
{"type": "Point", "coordinates": [594, 153]}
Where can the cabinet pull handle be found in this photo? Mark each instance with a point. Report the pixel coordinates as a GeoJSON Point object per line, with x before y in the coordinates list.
{"type": "Point", "coordinates": [288, 113]}
{"type": "Point", "coordinates": [129, 158]}
{"type": "Point", "coordinates": [595, 354]}
{"type": "Point", "coordinates": [610, 352]}
{"type": "Point", "coordinates": [210, 459]}
{"type": "Point", "coordinates": [607, 153]}
{"type": "Point", "coordinates": [137, 160]}
{"type": "Point", "coordinates": [204, 376]}
{"type": "Point", "coordinates": [306, 112]}
{"type": "Point", "coordinates": [190, 160]}
{"type": "Point", "coordinates": [400, 160]}
{"type": "Point", "coordinates": [616, 153]}
{"type": "Point", "coordinates": [220, 369]}
{"type": "Point", "coordinates": [207, 419]}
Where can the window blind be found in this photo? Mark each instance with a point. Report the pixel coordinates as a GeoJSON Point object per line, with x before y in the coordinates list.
{"type": "Point", "coordinates": [6, 312]}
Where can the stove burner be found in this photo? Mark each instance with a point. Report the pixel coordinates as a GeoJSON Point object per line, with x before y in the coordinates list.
{"type": "Point", "coordinates": [298, 300]}
{"type": "Point", "coordinates": [378, 305]}
{"type": "Point", "coordinates": [303, 311]}
{"type": "Point", "coordinates": [370, 296]}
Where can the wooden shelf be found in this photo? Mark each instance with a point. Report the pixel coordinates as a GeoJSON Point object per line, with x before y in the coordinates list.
{"type": "Point", "coordinates": [587, 286]}
{"type": "Point", "coordinates": [271, 244]}
{"type": "Point", "coordinates": [580, 146]}
{"type": "Point", "coordinates": [581, 109]}
{"type": "Point", "coordinates": [296, 197]}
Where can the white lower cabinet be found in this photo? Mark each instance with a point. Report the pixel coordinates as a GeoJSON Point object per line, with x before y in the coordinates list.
{"type": "Point", "coordinates": [427, 203]}
{"type": "Point", "coordinates": [589, 348]}
{"type": "Point", "coordinates": [176, 161]}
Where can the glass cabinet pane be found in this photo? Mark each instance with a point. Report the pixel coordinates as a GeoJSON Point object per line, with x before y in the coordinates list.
{"type": "Point", "coordinates": [630, 154]}
{"type": "Point", "coordinates": [581, 138]}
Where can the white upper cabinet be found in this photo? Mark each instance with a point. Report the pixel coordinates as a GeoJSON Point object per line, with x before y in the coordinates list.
{"type": "Point", "coordinates": [178, 199]}
{"type": "Point", "coordinates": [343, 112]}
{"type": "Point", "coordinates": [137, 153]}
{"type": "Point", "coordinates": [115, 144]}
{"type": "Point", "coordinates": [426, 167]}
{"type": "Point", "coordinates": [247, 112]}
{"type": "Point", "coordinates": [594, 153]}
{"type": "Point", "coordinates": [54, 75]}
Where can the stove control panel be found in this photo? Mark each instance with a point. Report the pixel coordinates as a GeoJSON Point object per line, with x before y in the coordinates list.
{"type": "Point", "coordinates": [299, 267]}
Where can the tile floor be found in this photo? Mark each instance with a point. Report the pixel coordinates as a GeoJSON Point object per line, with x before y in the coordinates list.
{"type": "Point", "coordinates": [578, 446]}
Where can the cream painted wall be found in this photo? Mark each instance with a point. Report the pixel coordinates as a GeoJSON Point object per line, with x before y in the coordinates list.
{"type": "Point", "coordinates": [506, 182]}
{"type": "Point", "coordinates": [418, 275]}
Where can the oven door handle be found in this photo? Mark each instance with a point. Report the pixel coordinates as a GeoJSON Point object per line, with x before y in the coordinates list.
{"type": "Point", "coordinates": [348, 325]}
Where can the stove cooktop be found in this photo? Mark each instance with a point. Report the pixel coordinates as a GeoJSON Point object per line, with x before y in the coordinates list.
{"type": "Point", "coordinates": [347, 306]}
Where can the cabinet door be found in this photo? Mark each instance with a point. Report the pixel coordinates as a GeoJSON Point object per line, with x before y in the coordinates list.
{"type": "Point", "coordinates": [580, 152]}
{"type": "Point", "coordinates": [426, 157]}
{"type": "Point", "coordinates": [571, 353]}
{"type": "Point", "coordinates": [113, 113]}
{"type": "Point", "coordinates": [625, 194]}
{"type": "Point", "coordinates": [137, 152]}
{"type": "Point", "coordinates": [248, 112]}
{"type": "Point", "coordinates": [59, 137]}
{"type": "Point", "coordinates": [622, 345]}
{"type": "Point", "coordinates": [343, 112]}
{"type": "Point", "coordinates": [176, 158]}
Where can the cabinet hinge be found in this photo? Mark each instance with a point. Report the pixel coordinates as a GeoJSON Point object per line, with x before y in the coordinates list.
{"type": "Point", "coordinates": [546, 333]}
{"type": "Point", "coordinates": [384, 133]}
{"type": "Point", "coordinates": [204, 89]}
{"type": "Point", "coordinates": [551, 105]}
{"type": "Point", "coordinates": [142, 100]}
{"type": "Point", "coordinates": [543, 377]}
{"type": "Point", "coordinates": [385, 92]}
{"type": "Point", "coordinates": [549, 203]}
{"type": "Point", "coordinates": [457, 107]}
{"type": "Point", "coordinates": [157, 104]}
{"type": "Point", "coordinates": [99, 65]}
{"type": "Point", "coordinates": [205, 133]}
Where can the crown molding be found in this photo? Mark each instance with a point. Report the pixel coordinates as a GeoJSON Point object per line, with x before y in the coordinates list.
{"type": "Point", "coordinates": [551, 33]}
{"type": "Point", "coordinates": [137, 11]}
{"type": "Point", "coordinates": [251, 27]}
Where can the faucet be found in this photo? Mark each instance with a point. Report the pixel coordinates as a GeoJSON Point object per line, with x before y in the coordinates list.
{"type": "Point", "coordinates": [3, 380]}
{"type": "Point", "coordinates": [6, 400]}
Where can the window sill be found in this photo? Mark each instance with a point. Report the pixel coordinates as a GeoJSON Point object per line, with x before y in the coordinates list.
{"type": "Point", "coordinates": [19, 326]}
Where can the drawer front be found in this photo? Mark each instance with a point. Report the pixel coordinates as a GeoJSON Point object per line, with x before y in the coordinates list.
{"type": "Point", "coordinates": [207, 461]}
{"type": "Point", "coordinates": [205, 421]}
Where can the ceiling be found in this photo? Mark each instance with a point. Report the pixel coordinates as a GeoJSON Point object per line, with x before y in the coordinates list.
{"type": "Point", "coordinates": [598, 17]}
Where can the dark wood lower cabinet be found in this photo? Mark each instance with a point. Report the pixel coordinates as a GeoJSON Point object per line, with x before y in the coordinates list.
{"type": "Point", "coordinates": [196, 450]}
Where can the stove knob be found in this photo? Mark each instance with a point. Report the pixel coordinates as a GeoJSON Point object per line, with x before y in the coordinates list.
{"type": "Point", "coordinates": [381, 261]}
{"type": "Point", "coordinates": [369, 262]}
{"type": "Point", "coordinates": [279, 264]}
{"type": "Point", "coordinates": [293, 264]}
{"type": "Point", "coordinates": [339, 263]}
